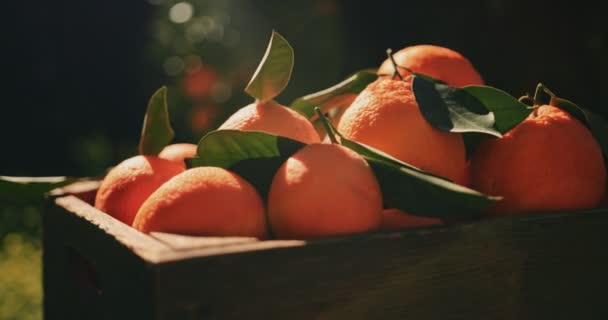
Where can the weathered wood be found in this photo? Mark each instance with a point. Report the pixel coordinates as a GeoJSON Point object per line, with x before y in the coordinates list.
{"type": "Point", "coordinates": [95, 267]}
{"type": "Point", "coordinates": [181, 242]}
{"type": "Point", "coordinates": [515, 268]}
{"type": "Point", "coordinates": [531, 267]}
{"type": "Point", "coordinates": [83, 190]}
{"type": "Point", "coordinates": [142, 244]}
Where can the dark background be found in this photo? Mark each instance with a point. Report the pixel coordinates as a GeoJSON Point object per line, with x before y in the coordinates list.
{"type": "Point", "coordinates": [78, 74]}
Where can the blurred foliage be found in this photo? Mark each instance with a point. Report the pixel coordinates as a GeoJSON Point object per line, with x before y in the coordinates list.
{"type": "Point", "coordinates": [207, 50]}
{"type": "Point", "coordinates": [20, 272]}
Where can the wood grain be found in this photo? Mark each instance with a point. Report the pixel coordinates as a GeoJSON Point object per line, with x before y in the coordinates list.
{"type": "Point", "coordinates": [549, 266]}
{"type": "Point", "coordinates": [93, 267]}
{"type": "Point", "coordinates": [142, 244]}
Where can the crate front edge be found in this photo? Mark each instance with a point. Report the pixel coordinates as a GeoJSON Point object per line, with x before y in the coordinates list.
{"type": "Point", "coordinates": [516, 267]}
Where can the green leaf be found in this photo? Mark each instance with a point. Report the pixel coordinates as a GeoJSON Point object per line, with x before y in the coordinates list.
{"type": "Point", "coordinates": [596, 124]}
{"type": "Point", "coordinates": [508, 111]}
{"type": "Point", "coordinates": [156, 132]}
{"type": "Point", "coordinates": [253, 155]}
{"type": "Point", "coordinates": [372, 153]}
{"type": "Point", "coordinates": [274, 71]}
{"type": "Point", "coordinates": [415, 191]}
{"type": "Point", "coordinates": [425, 195]}
{"type": "Point", "coordinates": [452, 109]}
{"type": "Point", "coordinates": [21, 190]}
{"type": "Point", "coordinates": [324, 99]}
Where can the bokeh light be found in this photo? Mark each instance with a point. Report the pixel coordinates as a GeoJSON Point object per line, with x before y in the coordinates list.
{"type": "Point", "coordinates": [181, 12]}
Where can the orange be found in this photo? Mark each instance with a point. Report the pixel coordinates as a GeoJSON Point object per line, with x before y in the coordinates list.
{"type": "Point", "coordinates": [199, 80]}
{"type": "Point", "coordinates": [438, 62]}
{"type": "Point", "coordinates": [549, 162]}
{"type": "Point", "coordinates": [178, 151]}
{"type": "Point", "coordinates": [273, 118]}
{"type": "Point", "coordinates": [394, 219]}
{"type": "Point", "coordinates": [386, 116]}
{"type": "Point", "coordinates": [207, 201]}
{"type": "Point", "coordinates": [129, 184]}
{"type": "Point", "coordinates": [324, 190]}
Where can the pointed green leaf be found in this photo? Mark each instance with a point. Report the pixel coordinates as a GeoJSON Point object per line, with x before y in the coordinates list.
{"type": "Point", "coordinates": [425, 195]}
{"type": "Point", "coordinates": [508, 111]}
{"type": "Point", "coordinates": [418, 192]}
{"type": "Point", "coordinates": [360, 148]}
{"type": "Point", "coordinates": [21, 190]}
{"type": "Point", "coordinates": [415, 191]}
{"type": "Point", "coordinates": [352, 85]}
{"type": "Point", "coordinates": [452, 109]}
{"type": "Point", "coordinates": [274, 71]}
{"type": "Point", "coordinates": [253, 155]}
{"type": "Point", "coordinates": [596, 124]}
{"type": "Point", "coordinates": [156, 132]}
{"type": "Point", "coordinates": [372, 153]}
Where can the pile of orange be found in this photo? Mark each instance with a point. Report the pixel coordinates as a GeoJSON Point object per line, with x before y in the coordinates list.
{"type": "Point", "coordinates": [548, 162]}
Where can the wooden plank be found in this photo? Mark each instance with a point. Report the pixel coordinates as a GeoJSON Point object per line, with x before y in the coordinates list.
{"type": "Point", "coordinates": [145, 246]}
{"type": "Point", "coordinates": [76, 188]}
{"type": "Point", "coordinates": [542, 267]}
{"type": "Point", "coordinates": [530, 267]}
{"type": "Point", "coordinates": [236, 248]}
{"type": "Point", "coordinates": [89, 273]}
{"type": "Point", "coordinates": [182, 243]}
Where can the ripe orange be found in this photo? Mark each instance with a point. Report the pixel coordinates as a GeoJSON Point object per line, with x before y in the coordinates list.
{"type": "Point", "coordinates": [273, 118]}
{"type": "Point", "coordinates": [129, 184]}
{"type": "Point", "coordinates": [438, 62]}
{"type": "Point", "coordinates": [178, 151]}
{"type": "Point", "coordinates": [204, 201]}
{"type": "Point", "coordinates": [324, 190]}
{"type": "Point", "coordinates": [394, 219]}
{"type": "Point", "coordinates": [386, 116]}
{"type": "Point", "coordinates": [550, 161]}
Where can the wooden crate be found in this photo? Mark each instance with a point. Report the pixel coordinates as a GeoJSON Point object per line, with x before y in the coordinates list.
{"type": "Point", "coordinates": [550, 266]}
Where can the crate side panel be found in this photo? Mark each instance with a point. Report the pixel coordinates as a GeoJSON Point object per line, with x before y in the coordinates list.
{"type": "Point", "coordinates": [500, 269]}
{"type": "Point", "coordinates": [88, 274]}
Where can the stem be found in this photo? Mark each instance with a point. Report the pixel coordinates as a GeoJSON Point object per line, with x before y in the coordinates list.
{"type": "Point", "coordinates": [527, 100]}
{"type": "Point", "coordinates": [547, 91]}
{"type": "Point", "coordinates": [326, 127]}
{"type": "Point", "coordinates": [539, 88]}
{"type": "Point", "coordinates": [389, 53]}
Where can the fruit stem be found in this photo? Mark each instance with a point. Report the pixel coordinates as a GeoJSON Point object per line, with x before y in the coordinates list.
{"type": "Point", "coordinates": [389, 53]}
{"type": "Point", "coordinates": [326, 126]}
{"type": "Point", "coordinates": [527, 100]}
{"type": "Point", "coordinates": [539, 88]}
{"type": "Point", "coordinates": [547, 91]}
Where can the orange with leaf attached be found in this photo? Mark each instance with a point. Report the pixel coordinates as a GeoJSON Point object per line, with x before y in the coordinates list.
{"type": "Point", "coordinates": [324, 190]}
{"type": "Point", "coordinates": [204, 201]}
{"type": "Point", "coordinates": [129, 184]}
{"type": "Point", "coordinates": [438, 62]}
{"type": "Point", "coordinates": [386, 116]}
{"type": "Point", "coordinates": [272, 117]}
{"type": "Point", "coordinates": [548, 162]}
